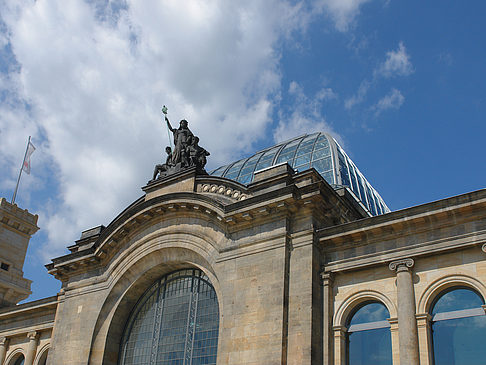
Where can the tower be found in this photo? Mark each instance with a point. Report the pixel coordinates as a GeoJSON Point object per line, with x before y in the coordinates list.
{"type": "Point", "coordinates": [16, 228]}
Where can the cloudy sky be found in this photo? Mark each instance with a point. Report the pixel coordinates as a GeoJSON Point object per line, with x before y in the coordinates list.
{"type": "Point", "coordinates": [401, 84]}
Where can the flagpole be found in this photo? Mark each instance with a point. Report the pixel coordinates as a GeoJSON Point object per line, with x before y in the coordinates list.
{"type": "Point", "coordinates": [20, 173]}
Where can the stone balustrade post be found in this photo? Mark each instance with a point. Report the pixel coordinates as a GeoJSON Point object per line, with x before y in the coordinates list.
{"type": "Point", "coordinates": [3, 349]}
{"type": "Point", "coordinates": [327, 315]}
{"type": "Point", "coordinates": [31, 348]}
{"type": "Point", "coordinates": [407, 323]}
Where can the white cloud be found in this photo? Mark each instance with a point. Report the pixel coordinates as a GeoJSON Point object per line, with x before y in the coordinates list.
{"type": "Point", "coordinates": [393, 100]}
{"type": "Point", "coordinates": [397, 63]}
{"type": "Point", "coordinates": [342, 12]}
{"type": "Point", "coordinates": [306, 116]}
{"type": "Point", "coordinates": [95, 80]}
{"type": "Point", "coordinates": [359, 97]}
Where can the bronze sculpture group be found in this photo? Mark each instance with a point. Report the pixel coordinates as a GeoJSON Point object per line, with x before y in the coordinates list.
{"type": "Point", "coordinates": [187, 152]}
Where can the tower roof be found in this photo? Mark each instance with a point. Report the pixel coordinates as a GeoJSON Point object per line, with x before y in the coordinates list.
{"type": "Point", "coordinates": [318, 150]}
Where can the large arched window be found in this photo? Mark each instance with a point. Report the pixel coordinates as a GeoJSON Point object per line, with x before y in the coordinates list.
{"type": "Point", "coordinates": [368, 336]}
{"type": "Point", "coordinates": [459, 328]}
{"type": "Point", "coordinates": [18, 360]}
{"type": "Point", "coordinates": [175, 322]}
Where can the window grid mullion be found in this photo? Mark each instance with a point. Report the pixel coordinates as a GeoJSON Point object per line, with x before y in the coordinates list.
{"type": "Point", "coordinates": [157, 324]}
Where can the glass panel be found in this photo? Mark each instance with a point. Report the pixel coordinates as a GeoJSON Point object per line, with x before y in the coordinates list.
{"type": "Point", "coordinates": [302, 167]}
{"type": "Point", "coordinates": [322, 165]}
{"type": "Point", "coordinates": [266, 159]}
{"type": "Point", "coordinates": [321, 153]}
{"type": "Point", "coordinates": [302, 159]}
{"type": "Point", "coordinates": [234, 170]}
{"type": "Point", "coordinates": [457, 299]}
{"type": "Point", "coordinates": [249, 166]}
{"type": "Point", "coordinates": [288, 152]}
{"type": "Point", "coordinates": [328, 176]}
{"type": "Point", "coordinates": [218, 171]}
{"type": "Point", "coordinates": [245, 179]}
{"type": "Point", "coordinates": [321, 142]}
{"type": "Point", "coordinates": [354, 184]}
{"type": "Point", "coordinates": [372, 312]}
{"type": "Point", "coordinates": [176, 322]}
{"type": "Point", "coordinates": [460, 341]}
{"type": "Point", "coordinates": [372, 347]}
{"type": "Point", "coordinates": [343, 169]}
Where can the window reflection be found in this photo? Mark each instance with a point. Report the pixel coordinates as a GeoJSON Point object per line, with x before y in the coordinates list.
{"type": "Point", "coordinates": [368, 336]}
{"type": "Point", "coordinates": [459, 328]}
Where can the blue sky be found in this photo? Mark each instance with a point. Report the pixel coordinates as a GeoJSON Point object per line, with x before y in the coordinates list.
{"type": "Point", "coordinates": [400, 84]}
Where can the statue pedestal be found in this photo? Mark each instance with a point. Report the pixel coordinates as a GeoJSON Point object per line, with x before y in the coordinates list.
{"type": "Point", "coordinates": [184, 180]}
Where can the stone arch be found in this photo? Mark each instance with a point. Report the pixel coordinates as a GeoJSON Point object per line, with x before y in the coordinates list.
{"type": "Point", "coordinates": [13, 356]}
{"type": "Point", "coordinates": [355, 299]}
{"type": "Point", "coordinates": [438, 286]}
{"type": "Point", "coordinates": [43, 351]}
{"type": "Point", "coordinates": [145, 265]}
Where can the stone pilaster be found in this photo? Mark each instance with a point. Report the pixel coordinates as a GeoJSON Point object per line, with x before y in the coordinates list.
{"type": "Point", "coordinates": [394, 340]}
{"type": "Point", "coordinates": [339, 345]}
{"type": "Point", "coordinates": [3, 349]}
{"type": "Point", "coordinates": [407, 324]}
{"type": "Point", "coordinates": [425, 338]}
{"type": "Point", "coordinates": [32, 348]}
{"type": "Point", "coordinates": [327, 314]}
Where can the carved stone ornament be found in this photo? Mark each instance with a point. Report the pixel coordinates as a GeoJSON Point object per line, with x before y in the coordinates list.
{"type": "Point", "coordinates": [32, 335]}
{"type": "Point", "coordinates": [400, 265]}
{"type": "Point", "coordinates": [186, 153]}
{"type": "Point", "coordinates": [3, 341]}
{"type": "Point", "coordinates": [483, 247]}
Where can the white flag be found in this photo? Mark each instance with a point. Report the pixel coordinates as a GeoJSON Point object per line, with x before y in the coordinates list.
{"type": "Point", "coordinates": [26, 164]}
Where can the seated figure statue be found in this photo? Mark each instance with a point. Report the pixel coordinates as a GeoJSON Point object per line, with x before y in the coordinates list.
{"type": "Point", "coordinates": [162, 169]}
{"type": "Point", "coordinates": [197, 154]}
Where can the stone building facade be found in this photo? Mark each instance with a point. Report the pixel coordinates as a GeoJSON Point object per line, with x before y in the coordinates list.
{"type": "Point", "coordinates": [290, 259]}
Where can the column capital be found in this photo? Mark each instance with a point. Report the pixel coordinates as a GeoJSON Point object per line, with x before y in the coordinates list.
{"type": "Point", "coordinates": [326, 277]}
{"type": "Point", "coordinates": [401, 265]}
{"type": "Point", "coordinates": [3, 341]}
{"type": "Point", "coordinates": [483, 247]}
{"type": "Point", "coordinates": [339, 330]}
{"type": "Point", "coordinates": [32, 335]}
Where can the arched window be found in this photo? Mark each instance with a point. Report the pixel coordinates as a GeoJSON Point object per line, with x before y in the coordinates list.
{"type": "Point", "coordinates": [43, 358]}
{"type": "Point", "coordinates": [18, 360]}
{"type": "Point", "coordinates": [175, 322]}
{"type": "Point", "coordinates": [459, 328]}
{"type": "Point", "coordinates": [368, 336]}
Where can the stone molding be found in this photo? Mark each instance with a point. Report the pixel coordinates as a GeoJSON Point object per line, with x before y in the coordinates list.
{"type": "Point", "coordinates": [401, 265]}
{"type": "Point", "coordinates": [327, 278]}
{"type": "Point", "coordinates": [445, 282]}
{"type": "Point", "coordinates": [227, 191]}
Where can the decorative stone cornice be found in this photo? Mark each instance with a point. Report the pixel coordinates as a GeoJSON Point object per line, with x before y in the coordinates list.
{"type": "Point", "coordinates": [221, 189]}
{"type": "Point", "coordinates": [401, 265]}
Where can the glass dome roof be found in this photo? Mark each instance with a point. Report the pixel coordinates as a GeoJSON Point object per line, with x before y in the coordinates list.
{"type": "Point", "coordinates": [317, 150]}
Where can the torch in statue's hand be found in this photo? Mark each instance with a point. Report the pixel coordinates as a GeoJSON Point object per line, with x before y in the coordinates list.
{"type": "Point", "coordinates": [164, 111]}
